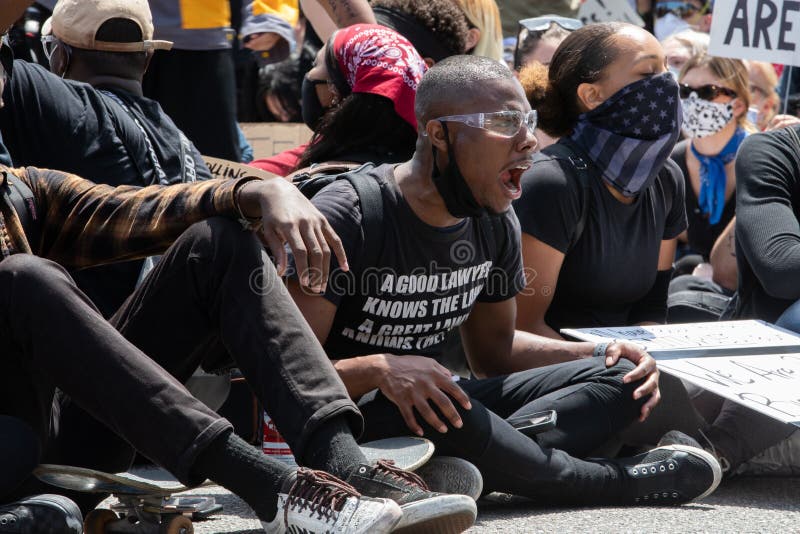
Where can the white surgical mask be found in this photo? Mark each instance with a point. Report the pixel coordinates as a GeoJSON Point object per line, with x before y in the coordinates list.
{"type": "Point", "coordinates": [668, 25]}
{"type": "Point", "coordinates": [676, 73]}
{"type": "Point", "coordinates": [702, 118]}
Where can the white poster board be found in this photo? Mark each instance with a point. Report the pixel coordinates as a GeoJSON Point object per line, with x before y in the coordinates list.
{"type": "Point", "coordinates": [608, 11]}
{"type": "Point", "coordinates": [726, 338]}
{"type": "Point", "coordinates": [767, 383]}
{"type": "Point", "coordinates": [762, 30]}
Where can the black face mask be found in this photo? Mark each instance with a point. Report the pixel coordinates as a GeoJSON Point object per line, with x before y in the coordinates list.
{"type": "Point", "coordinates": [311, 107]}
{"type": "Point", "coordinates": [450, 183]}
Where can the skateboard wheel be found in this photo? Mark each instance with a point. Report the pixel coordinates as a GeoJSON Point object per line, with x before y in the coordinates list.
{"type": "Point", "coordinates": [176, 525]}
{"type": "Point", "coordinates": [96, 521]}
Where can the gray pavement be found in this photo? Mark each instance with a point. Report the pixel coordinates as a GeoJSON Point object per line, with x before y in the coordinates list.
{"type": "Point", "coordinates": [739, 505]}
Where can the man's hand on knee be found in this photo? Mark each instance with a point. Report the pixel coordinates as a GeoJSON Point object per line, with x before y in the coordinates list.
{"type": "Point", "coordinates": [289, 217]}
{"type": "Point", "coordinates": [414, 382]}
{"type": "Point", "coordinates": [645, 370]}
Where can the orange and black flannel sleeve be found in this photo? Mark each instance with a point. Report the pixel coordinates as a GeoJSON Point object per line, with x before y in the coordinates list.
{"type": "Point", "coordinates": [86, 224]}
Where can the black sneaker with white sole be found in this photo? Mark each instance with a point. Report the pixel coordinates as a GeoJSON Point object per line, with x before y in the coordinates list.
{"type": "Point", "coordinates": [319, 503]}
{"type": "Point", "coordinates": [41, 514]}
{"type": "Point", "coordinates": [669, 475]}
{"type": "Point", "coordinates": [423, 510]}
{"type": "Point", "coordinates": [450, 474]}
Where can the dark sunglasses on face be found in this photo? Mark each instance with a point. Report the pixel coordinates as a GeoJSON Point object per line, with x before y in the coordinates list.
{"type": "Point", "coordinates": [706, 92]}
{"type": "Point", "coordinates": [679, 9]}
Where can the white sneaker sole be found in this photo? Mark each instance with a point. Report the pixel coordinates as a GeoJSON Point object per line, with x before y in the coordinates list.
{"type": "Point", "coordinates": [706, 457]}
{"type": "Point", "coordinates": [444, 514]}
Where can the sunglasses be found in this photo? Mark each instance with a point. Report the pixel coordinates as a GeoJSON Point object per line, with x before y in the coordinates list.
{"type": "Point", "coordinates": [705, 92]}
{"type": "Point", "coordinates": [680, 9]}
{"type": "Point", "coordinates": [502, 123]}
{"type": "Point", "coordinates": [534, 27]}
{"type": "Point", "coordinates": [540, 24]}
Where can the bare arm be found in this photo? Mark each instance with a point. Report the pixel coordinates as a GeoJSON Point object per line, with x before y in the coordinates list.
{"type": "Point", "coordinates": [723, 258]}
{"type": "Point", "coordinates": [493, 348]}
{"type": "Point", "coordinates": [542, 265]}
{"type": "Point", "coordinates": [410, 382]}
{"type": "Point", "coordinates": [348, 12]}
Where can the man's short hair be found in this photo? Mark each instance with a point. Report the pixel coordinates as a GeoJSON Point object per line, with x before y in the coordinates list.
{"type": "Point", "coordinates": [454, 75]}
{"type": "Point", "coordinates": [442, 20]}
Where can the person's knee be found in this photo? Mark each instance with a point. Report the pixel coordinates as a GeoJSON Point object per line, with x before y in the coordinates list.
{"type": "Point", "coordinates": [220, 237]}
{"type": "Point", "coordinates": [29, 275]}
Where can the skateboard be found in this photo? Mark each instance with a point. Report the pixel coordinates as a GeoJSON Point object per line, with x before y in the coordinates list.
{"type": "Point", "coordinates": [144, 507]}
{"type": "Point", "coordinates": [407, 452]}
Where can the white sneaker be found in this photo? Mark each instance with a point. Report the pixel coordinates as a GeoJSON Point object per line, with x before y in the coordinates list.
{"type": "Point", "coordinates": [320, 503]}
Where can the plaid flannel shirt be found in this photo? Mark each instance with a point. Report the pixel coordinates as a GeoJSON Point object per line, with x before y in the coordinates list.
{"type": "Point", "coordinates": [85, 224]}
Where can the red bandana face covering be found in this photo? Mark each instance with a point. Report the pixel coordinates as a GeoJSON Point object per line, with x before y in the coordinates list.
{"type": "Point", "coordinates": [377, 60]}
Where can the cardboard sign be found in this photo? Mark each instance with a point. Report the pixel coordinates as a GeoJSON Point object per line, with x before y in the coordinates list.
{"type": "Point", "coordinates": [222, 168]}
{"type": "Point", "coordinates": [769, 383]}
{"type": "Point", "coordinates": [270, 138]}
{"type": "Point", "coordinates": [726, 338]}
{"type": "Point", "coordinates": [608, 11]}
{"type": "Point", "coordinates": [762, 30]}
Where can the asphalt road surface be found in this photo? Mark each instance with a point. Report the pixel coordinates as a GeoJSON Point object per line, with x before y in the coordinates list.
{"type": "Point", "coordinates": [738, 505]}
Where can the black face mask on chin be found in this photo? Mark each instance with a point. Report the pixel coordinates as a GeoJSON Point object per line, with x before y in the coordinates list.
{"type": "Point", "coordinates": [311, 107]}
{"type": "Point", "coordinates": [450, 183]}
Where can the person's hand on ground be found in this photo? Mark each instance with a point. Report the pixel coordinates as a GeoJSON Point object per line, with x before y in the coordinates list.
{"type": "Point", "coordinates": [413, 382]}
{"type": "Point", "coordinates": [646, 369]}
{"type": "Point", "coordinates": [288, 217]}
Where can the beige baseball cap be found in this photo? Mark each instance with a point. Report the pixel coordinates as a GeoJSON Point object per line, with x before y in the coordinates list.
{"type": "Point", "coordinates": [76, 22]}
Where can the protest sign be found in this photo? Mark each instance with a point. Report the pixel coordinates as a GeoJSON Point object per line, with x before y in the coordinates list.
{"type": "Point", "coordinates": [608, 11]}
{"type": "Point", "coordinates": [698, 339]}
{"type": "Point", "coordinates": [222, 168]}
{"type": "Point", "coordinates": [270, 138]}
{"type": "Point", "coordinates": [769, 383]}
{"type": "Point", "coordinates": [762, 30]}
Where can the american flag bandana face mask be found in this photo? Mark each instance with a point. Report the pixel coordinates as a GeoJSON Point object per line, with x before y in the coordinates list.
{"type": "Point", "coordinates": [631, 135]}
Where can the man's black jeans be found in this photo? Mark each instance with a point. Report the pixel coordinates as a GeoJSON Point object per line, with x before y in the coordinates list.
{"type": "Point", "coordinates": [593, 406]}
{"type": "Point", "coordinates": [214, 298]}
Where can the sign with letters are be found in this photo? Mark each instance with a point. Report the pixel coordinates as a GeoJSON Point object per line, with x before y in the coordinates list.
{"type": "Point", "coordinates": [766, 383]}
{"type": "Point", "coordinates": [752, 363]}
{"type": "Point", "coordinates": [762, 30]}
{"type": "Point", "coordinates": [608, 11]}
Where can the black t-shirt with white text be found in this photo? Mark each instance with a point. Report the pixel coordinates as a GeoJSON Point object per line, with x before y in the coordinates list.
{"type": "Point", "coordinates": [614, 263]}
{"type": "Point", "coordinates": [426, 281]}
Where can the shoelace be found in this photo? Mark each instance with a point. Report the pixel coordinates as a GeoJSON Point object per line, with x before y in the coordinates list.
{"type": "Point", "coordinates": [319, 492]}
{"type": "Point", "coordinates": [387, 467]}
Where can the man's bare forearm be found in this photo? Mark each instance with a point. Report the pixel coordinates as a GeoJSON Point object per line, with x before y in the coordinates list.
{"type": "Point", "coordinates": [530, 350]}
{"type": "Point", "coordinates": [362, 374]}
{"type": "Point", "coordinates": [348, 12]}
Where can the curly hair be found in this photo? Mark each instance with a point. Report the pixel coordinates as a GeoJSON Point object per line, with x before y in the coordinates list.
{"type": "Point", "coordinates": [443, 18]}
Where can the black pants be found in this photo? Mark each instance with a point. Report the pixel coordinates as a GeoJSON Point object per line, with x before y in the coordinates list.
{"type": "Point", "coordinates": [197, 89]}
{"type": "Point", "coordinates": [214, 294]}
{"type": "Point", "coordinates": [593, 406]}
